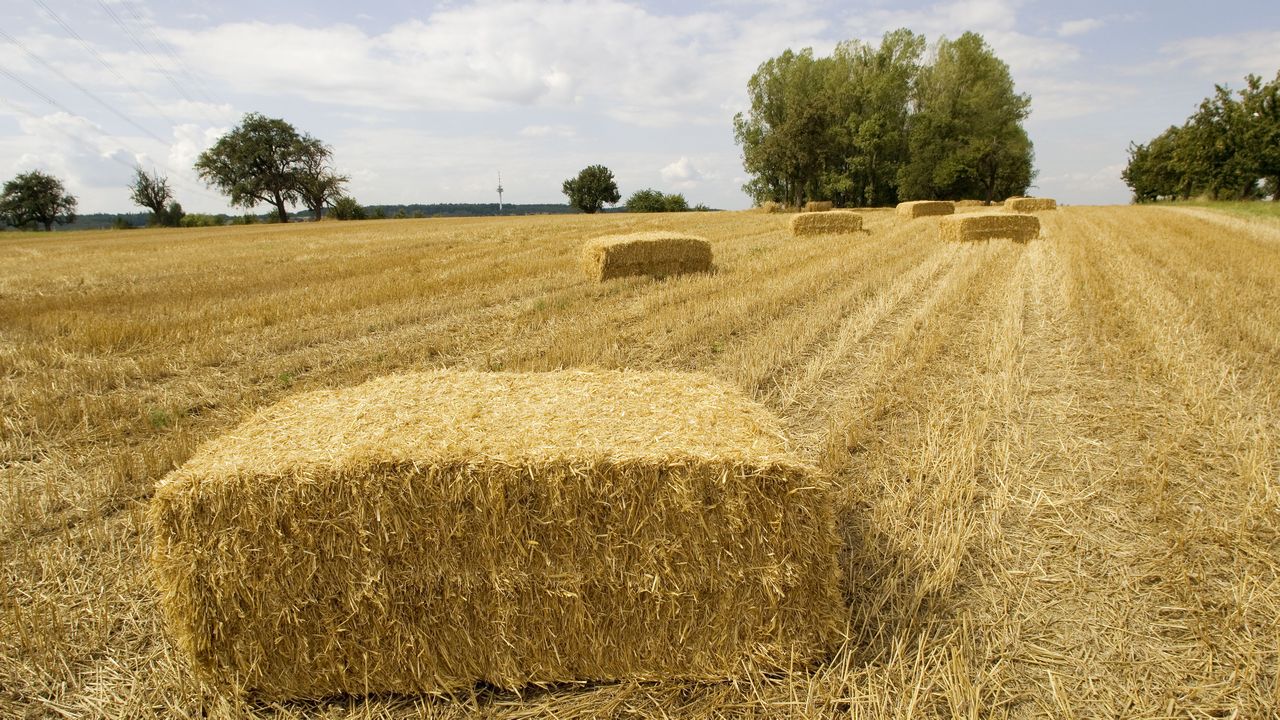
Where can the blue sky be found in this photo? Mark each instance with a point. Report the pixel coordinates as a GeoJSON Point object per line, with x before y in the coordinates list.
{"type": "Point", "coordinates": [427, 102]}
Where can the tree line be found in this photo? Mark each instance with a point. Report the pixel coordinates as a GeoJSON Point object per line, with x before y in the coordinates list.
{"type": "Point", "coordinates": [873, 125]}
{"type": "Point", "coordinates": [1229, 149]}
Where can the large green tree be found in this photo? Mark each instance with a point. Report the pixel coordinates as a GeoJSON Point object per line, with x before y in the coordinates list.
{"type": "Point", "coordinates": [262, 160]}
{"type": "Point", "coordinates": [783, 134]}
{"type": "Point", "coordinates": [36, 198]}
{"type": "Point", "coordinates": [965, 138]}
{"type": "Point", "coordinates": [591, 189]}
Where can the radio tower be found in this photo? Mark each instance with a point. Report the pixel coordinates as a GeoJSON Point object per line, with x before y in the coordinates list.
{"type": "Point", "coordinates": [499, 191]}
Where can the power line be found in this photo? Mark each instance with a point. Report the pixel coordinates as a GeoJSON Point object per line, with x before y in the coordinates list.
{"type": "Point", "coordinates": [154, 60]}
{"type": "Point", "coordinates": [102, 61]}
{"type": "Point", "coordinates": [111, 108]}
{"type": "Point", "coordinates": [196, 80]}
{"type": "Point", "coordinates": [88, 145]}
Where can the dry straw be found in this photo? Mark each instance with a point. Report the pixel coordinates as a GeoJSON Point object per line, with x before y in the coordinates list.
{"type": "Point", "coordinates": [923, 208]}
{"type": "Point", "coordinates": [976, 203]}
{"type": "Point", "coordinates": [831, 222]}
{"type": "Point", "coordinates": [770, 206]}
{"type": "Point", "coordinates": [818, 206]}
{"type": "Point", "coordinates": [657, 254]}
{"type": "Point", "coordinates": [424, 532]}
{"type": "Point", "coordinates": [1029, 204]}
{"type": "Point", "coordinates": [989, 225]}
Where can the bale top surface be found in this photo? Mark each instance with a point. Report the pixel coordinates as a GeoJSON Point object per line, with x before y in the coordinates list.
{"type": "Point", "coordinates": [503, 417]}
{"type": "Point", "coordinates": [650, 237]}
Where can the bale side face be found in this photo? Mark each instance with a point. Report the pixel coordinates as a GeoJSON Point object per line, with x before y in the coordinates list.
{"type": "Point", "coordinates": [656, 254]}
{"type": "Point", "coordinates": [818, 206]}
{"type": "Point", "coordinates": [924, 208]}
{"type": "Point", "coordinates": [832, 222]}
{"type": "Point", "coordinates": [425, 532]}
{"type": "Point", "coordinates": [989, 226]}
{"type": "Point", "coordinates": [1027, 204]}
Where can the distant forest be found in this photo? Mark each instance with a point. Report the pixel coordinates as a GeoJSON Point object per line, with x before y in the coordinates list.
{"type": "Point", "coordinates": [103, 221]}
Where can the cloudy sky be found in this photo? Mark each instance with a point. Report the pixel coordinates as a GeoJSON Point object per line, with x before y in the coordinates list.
{"type": "Point", "coordinates": [427, 102]}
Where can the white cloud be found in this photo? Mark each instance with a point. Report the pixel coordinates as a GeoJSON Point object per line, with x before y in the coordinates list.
{"type": "Point", "coordinates": [681, 174]}
{"type": "Point", "coordinates": [543, 131]}
{"type": "Point", "coordinates": [1059, 99]}
{"type": "Point", "coordinates": [632, 64]}
{"type": "Point", "coordinates": [1223, 58]}
{"type": "Point", "coordinates": [1072, 28]}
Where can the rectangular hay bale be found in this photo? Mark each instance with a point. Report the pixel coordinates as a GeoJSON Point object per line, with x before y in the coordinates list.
{"type": "Point", "coordinates": [425, 532]}
{"type": "Point", "coordinates": [655, 253]}
{"type": "Point", "coordinates": [771, 206]}
{"type": "Point", "coordinates": [1030, 204]}
{"type": "Point", "coordinates": [924, 208]}
{"type": "Point", "coordinates": [989, 225]}
{"type": "Point", "coordinates": [831, 222]}
{"type": "Point", "coordinates": [818, 206]}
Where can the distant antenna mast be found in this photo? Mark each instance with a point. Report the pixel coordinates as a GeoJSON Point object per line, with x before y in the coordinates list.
{"type": "Point", "coordinates": [499, 191]}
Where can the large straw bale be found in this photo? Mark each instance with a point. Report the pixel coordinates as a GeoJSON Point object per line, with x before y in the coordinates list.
{"type": "Point", "coordinates": [1030, 204]}
{"type": "Point", "coordinates": [425, 532]}
{"type": "Point", "coordinates": [923, 208]}
{"type": "Point", "coordinates": [989, 225]}
{"type": "Point", "coordinates": [771, 206]}
{"type": "Point", "coordinates": [818, 206]}
{"type": "Point", "coordinates": [831, 222]}
{"type": "Point", "coordinates": [656, 253]}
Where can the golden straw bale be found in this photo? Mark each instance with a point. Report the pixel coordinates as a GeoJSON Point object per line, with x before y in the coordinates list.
{"type": "Point", "coordinates": [974, 203]}
{"type": "Point", "coordinates": [771, 206]}
{"type": "Point", "coordinates": [988, 225]}
{"type": "Point", "coordinates": [425, 532]}
{"type": "Point", "coordinates": [922, 208]}
{"type": "Point", "coordinates": [1029, 204]}
{"type": "Point", "coordinates": [656, 253]}
{"type": "Point", "coordinates": [818, 206]}
{"type": "Point", "coordinates": [831, 222]}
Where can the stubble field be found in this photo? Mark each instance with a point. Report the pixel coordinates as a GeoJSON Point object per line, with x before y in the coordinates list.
{"type": "Point", "coordinates": [1059, 462]}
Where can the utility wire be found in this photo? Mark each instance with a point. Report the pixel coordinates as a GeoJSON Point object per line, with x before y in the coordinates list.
{"type": "Point", "coordinates": [196, 80]}
{"type": "Point", "coordinates": [88, 145]}
{"type": "Point", "coordinates": [47, 65]}
{"type": "Point", "coordinates": [154, 60]}
{"type": "Point", "coordinates": [102, 61]}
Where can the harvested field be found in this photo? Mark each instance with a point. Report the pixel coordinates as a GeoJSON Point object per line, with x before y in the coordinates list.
{"type": "Point", "coordinates": [656, 254]}
{"type": "Point", "coordinates": [831, 222]}
{"type": "Point", "coordinates": [505, 530]}
{"type": "Point", "coordinates": [818, 206]}
{"type": "Point", "coordinates": [1055, 464]}
{"type": "Point", "coordinates": [989, 225]}
{"type": "Point", "coordinates": [1028, 204]}
{"type": "Point", "coordinates": [923, 208]}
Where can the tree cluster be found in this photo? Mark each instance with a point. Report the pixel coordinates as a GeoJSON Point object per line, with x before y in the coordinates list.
{"type": "Point", "coordinates": [650, 201]}
{"type": "Point", "coordinates": [875, 125]}
{"type": "Point", "coordinates": [1228, 150]}
{"type": "Point", "coordinates": [266, 160]}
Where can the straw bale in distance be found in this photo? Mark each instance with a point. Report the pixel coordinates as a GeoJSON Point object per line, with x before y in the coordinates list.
{"type": "Point", "coordinates": [831, 222]}
{"type": "Point", "coordinates": [922, 208]}
{"type": "Point", "coordinates": [989, 225]}
{"type": "Point", "coordinates": [976, 203]}
{"type": "Point", "coordinates": [428, 531]}
{"type": "Point", "coordinates": [771, 206]}
{"type": "Point", "coordinates": [1029, 204]}
{"type": "Point", "coordinates": [656, 253]}
{"type": "Point", "coordinates": [818, 206]}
